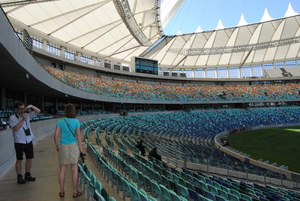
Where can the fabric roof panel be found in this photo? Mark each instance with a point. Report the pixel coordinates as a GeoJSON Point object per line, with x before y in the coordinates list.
{"type": "Point", "coordinates": [202, 61]}
{"type": "Point", "coordinates": [259, 55]}
{"type": "Point", "coordinates": [220, 39]}
{"type": "Point", "coordinates": [255, 36]}
{"type": "Point", "coordinates": [278, 32]}
{"type": "Point", "coordinates": [224, 59]}
{"type": "Point", "coordinates": [191, 62]}
{"type": "Point", "coordinates": [266, 32]}
{"type": "Point", "coordinates": [199, 41]}
{"type": "Point", "coordinates": [294, 51]}
{"type": "Point", "coordinates": [243, 36]}
{"type": "Point", "coordinates": [96, 26]}
{"type": "Point", "coordinates": [270, 54]}
{"type": "Point", "coordinates": [209, 43]}
{"type": "Point", "coordinates": [281, 53]}
{"type": "Point", "coordinates": [236, 58]}
{"type": "Point", "coordinates": [233, 38]}
{"type": "Point", "coordinates": [213, 60]}
{"type": "Point", "coordinates": [291, 27]}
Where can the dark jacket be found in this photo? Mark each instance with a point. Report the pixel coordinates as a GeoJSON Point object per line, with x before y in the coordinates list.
{"type": "Point", "coordinates": [154, 154]}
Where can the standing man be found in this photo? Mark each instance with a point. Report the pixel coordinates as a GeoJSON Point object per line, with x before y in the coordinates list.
{"type": "Point", "coordinates": [141, 147]}
{"type": "Point", "coordinates": [20, 124]}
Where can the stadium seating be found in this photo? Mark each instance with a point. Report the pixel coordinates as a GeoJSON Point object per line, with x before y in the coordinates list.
{"type": "Point", "coordinates": [167, 92]}
{"type": "Point", "coordinates": [200, 126]}
{"type": "Point", "coordinates": [191, 186]}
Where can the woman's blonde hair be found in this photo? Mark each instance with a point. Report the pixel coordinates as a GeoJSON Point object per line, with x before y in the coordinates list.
{"type": "Point", "coordinates": [70, 110]}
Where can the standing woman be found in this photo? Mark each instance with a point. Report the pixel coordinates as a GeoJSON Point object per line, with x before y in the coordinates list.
{"type": "Point", "coordinates": [68, 147]}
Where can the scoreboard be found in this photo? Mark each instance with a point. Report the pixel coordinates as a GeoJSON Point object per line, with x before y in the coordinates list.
{"type": "Point", "coordinates": [147, 66]}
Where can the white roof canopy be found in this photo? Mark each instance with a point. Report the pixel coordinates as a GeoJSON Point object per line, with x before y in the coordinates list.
{"type": "Point", "coordinates": [96, 26]}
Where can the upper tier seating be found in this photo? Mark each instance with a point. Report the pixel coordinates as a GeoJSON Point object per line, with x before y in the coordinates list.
{"type": "Point", "coordinates": [167, 92]}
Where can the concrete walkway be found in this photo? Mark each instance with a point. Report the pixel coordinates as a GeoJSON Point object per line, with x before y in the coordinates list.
{"type": "Point", "coordinates": [46, 187]}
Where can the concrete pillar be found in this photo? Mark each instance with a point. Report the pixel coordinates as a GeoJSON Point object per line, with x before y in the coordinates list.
{"type": "Point", "coordinates": [62, 51]}
{"type": "Point", "coordinates": [45, 42]}
{"type": "Point", "coordinates": [228, 74]}
{"type": "Point", "coordinates": [77, 56]}
{"type": "Point", "coordinates": [94, 59]}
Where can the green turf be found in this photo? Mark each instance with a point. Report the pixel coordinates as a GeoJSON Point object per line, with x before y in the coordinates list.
{"type": "Point", "coordinates": [280, 145]}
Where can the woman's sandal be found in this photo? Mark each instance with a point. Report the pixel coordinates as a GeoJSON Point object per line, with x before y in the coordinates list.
{"type": "Point", "coordinates": [77, 194]}
{"type": "Point", "coordinates": [62, 194]}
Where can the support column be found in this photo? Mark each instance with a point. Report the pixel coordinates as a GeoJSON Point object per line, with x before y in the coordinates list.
{"type": "Point", "coordinates": [77, 56]}
{"type": "Point", "coordinates": [228, 74]}
{"type": "Point", "coordinates": [205, 73]}
{"type": "Point", "coordinates": [44, 47]}
{"type": "Point", "coordinates": [62, 51]}
{"type": "Point", "coordinates": [240, 72]}
{"type": "Point", "coordinates": [94, 59]}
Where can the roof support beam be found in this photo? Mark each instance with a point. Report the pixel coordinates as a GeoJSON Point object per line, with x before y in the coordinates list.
{"type": "Point", "coordinates": [127, 16]}
{"type": "Point", "coordinates": [235, 49]}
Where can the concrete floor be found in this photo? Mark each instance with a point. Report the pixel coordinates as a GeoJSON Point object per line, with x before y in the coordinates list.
{"type": "Point", "coordinates": [45, 168]}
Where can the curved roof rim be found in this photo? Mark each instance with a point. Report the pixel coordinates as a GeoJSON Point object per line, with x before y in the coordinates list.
{"type": "Point", "coordinates": [168, 9]}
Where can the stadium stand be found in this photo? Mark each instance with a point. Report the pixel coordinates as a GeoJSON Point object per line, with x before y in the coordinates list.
{"type": "Point", "coordinates": [209, 123]}
{"type": "Point", "coordinates": [163, 182]}
{"type": "Point", "coordinates": [168, 92]}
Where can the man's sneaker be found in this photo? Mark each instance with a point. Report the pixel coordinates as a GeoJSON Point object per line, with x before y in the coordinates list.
{"type": "Point", "coordinates": [20, 180]}
{"type": "Point", "coordinates": [28, 177]}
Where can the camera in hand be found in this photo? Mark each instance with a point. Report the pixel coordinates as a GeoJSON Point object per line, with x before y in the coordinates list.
{"type": "Point", "coordinates": [27, 132]}
{"type": "Point", "coordinates": [82, 155]}
{"type": "Point", "coordinates": [26, 111]}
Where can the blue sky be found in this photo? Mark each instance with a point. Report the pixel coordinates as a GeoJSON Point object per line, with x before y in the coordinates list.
{"type": "Point", "coordinates": [207, 13]}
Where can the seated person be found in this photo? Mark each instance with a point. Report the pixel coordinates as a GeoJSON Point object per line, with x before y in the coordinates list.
{"type": "Point", "coordinates": [154, 154]}
{"type": "Point", "coordinates": [141, 147]}
{"type": "Point", "coordinates": [225, 142]}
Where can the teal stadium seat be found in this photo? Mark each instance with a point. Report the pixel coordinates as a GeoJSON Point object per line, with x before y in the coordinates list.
{"type": "Point", "coordinates": [155, 189]}
{"type": "Point", "coordinates": [165, 195]}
